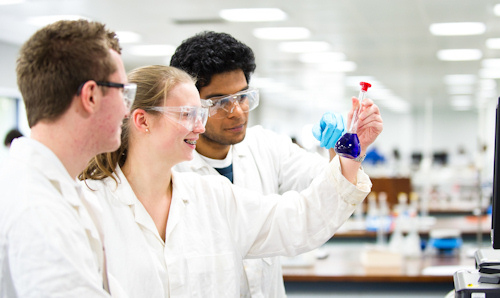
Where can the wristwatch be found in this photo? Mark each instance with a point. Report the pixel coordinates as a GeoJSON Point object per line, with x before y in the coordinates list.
{"type": "Point", "coordinates": [360, 158]}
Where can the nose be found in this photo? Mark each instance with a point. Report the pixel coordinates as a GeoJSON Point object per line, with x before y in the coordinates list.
{"type": "Point", "coordinates": [239, 110]}
{"type": "Point", "coordinates": [198, 126]}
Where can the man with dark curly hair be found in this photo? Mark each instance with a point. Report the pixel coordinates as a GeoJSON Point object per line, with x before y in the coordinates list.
{"type": "Point", "coordinates": [255, 158]}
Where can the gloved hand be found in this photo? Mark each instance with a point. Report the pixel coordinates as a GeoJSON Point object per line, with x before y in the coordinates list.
{"type": "Point", "coordinates": [329, 129]}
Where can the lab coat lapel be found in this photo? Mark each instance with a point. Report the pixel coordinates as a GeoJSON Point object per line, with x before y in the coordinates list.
{"type": "Point", "coordinates": [46, 162]}
{"type": "Point", "coordinates": [198, 165]}
{"type": "Point", "coordinates": [125, 194]}
{"type": "Point", "coordinates": [90, 219]}
{"type": "Point", "coordinates": [244, 166]}
{"type": "Point", "coordinates": [180, 201]}
{"type": "Point", "coordinates": [94, 215]}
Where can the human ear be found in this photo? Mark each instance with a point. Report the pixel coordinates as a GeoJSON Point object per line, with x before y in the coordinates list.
{"type": "Point", "coordinates": [87, 95]}
{"type": "Point", "coordinates": [141, 120]}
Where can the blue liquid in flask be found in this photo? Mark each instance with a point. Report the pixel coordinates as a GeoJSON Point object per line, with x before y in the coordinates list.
{"type": "Point", "coordinates": [348, 146]}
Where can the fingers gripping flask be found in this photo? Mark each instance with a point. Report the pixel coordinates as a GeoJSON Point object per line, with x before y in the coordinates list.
{"type": "Point", "coordinates": [348, 145]}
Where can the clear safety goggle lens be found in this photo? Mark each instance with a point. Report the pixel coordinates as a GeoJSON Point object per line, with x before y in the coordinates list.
{"type": "Point", "coordinates": [187, 116]}
{"type": "Point", "coordinates": [129, 91]}
{"type": "Point", "coordinates": [221, 106]}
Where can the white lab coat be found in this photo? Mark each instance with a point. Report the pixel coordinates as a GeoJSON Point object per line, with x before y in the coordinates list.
{"type": "Point", "coordinates": [49, 244]}
{"type": "Point", "coordinates": [212, 226]}
{"type": "Point", "coordinates": [271, 164]}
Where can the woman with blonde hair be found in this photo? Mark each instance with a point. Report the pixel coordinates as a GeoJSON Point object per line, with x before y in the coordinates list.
{"type": "Point", "coordinates": [170, 234]}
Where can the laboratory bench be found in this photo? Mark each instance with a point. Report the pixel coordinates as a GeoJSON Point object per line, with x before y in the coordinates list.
{"type": "Point", "coordinates": [346, 250]}
{"type": "Point", "coordinates": [342, 273]}
{"type": "Point", "coordinates": [470, 226]}
{"type": "Point", "coordinates": [341, 267]}
{"type": "Point", "coordinates": [344, 263]}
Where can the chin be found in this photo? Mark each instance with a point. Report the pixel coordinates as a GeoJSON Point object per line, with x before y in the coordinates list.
{"type": "Point", "coordinates": [185, 157]}
{"type": "Point", "coordinates": [238, 139]}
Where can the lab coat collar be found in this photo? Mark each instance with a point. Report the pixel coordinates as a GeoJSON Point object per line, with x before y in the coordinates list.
{"type": "Point", "coordinates": [123, 191]}
{"type": "Point", "coordinates": [240, 150]}
{"type": "Point", "coordinates": [180, 201]}
{"type": "Point", "coordinates": [197, 162]}
{"type": "Point", "coordinates": [40, 157]}
{"type": "Point", "coordinates": [124, 194]}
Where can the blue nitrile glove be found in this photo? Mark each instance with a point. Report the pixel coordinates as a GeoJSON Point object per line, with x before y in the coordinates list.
{"type": "Point", "coordinates": [329, 129]}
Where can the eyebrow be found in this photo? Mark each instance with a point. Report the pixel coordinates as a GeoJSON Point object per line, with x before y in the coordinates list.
{"type": "Point", "coordinates": [219, 94]}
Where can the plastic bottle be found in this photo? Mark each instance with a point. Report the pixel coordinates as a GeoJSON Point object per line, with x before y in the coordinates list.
{"type": "Point", "coordinates": [383, 219]}
{"type": "Point", "coordinates": [397, 238]}
{"type": "Point", "coordinates": [412, 247]}
{"type": "Point", "coordinates": [372, 213]}
{"type": "Point", "coordinates": [402, 210]}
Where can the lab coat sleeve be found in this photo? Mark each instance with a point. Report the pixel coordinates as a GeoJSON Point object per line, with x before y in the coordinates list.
{"type": "Point", "coordinates": [298, 168]}
{"type": "Point", "coordinates": [295, 222]}
{"type": "Point", "coordinates": [295, 167]}
{"type": "Point", "coordinates": [47, 257]}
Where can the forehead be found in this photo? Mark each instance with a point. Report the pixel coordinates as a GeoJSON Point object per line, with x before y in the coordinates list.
{"type": "Point", "coordinates": [224, 84]}
{"type": "Point", "coordinates": [183, 94]}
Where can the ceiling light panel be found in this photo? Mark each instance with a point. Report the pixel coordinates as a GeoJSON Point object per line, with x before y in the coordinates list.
{"type": "Point", "coordinates": [152, 50]}
{"type": "Point", "coordinates": [456, 29]}
{"type": "Point", "coordinates": [491, 63]}
{"type": "Point", "coordinates": [459, 55]}
{"type": "Point", "coordinates": [460, 79]}
{"type": "Point", "coordinates": [460, 89]}
{"type": "Point", "coordinates": [487, 94]}
{"type": "Point", "coordinates": [253, 15]}
{"type": "Point", "coordinates": [488, 73]}
{"type": "Point", "coordinates": [487, 84]}
{"type": "Point", "coordinates": [304, 46]}
{"type": "Point", "coordinates": [128, 37]}
{"type": "Point", "coordinates": [323, 57]}
{"type": "Point", "coordinates": [282, 33]}
{"type": "Point", "coordinates": [496, 9]}
{"type": "Point", "coordinates": [493, 43]}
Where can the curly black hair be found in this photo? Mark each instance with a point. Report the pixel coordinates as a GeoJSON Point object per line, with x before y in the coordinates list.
{"type": "Point", "coordinates": [11, 135]}
{"type": "Point", "coordinates": [208, 53]}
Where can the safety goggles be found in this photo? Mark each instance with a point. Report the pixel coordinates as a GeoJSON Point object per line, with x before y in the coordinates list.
{"type": "Point", "coordinates": [128, 90]}
{"type": "Point", "coordinates": [187, 116]}
{"type": "Point", "coordinates": [221, 106]}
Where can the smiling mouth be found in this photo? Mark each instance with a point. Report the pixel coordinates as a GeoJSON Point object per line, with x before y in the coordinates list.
{"type": "Point", "coordinates": [193, 142]}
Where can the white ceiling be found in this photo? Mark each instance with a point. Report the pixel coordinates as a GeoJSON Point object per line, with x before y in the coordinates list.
{"type": "Point", "coordinates": [388, 40]}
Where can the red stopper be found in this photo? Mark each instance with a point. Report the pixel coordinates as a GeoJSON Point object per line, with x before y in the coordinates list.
{"type": "Point", "coordinates": [365, 86]}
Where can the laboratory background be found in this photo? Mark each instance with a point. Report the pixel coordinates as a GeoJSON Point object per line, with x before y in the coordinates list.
{"type": "Point", "coordinates": [434, 67]}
